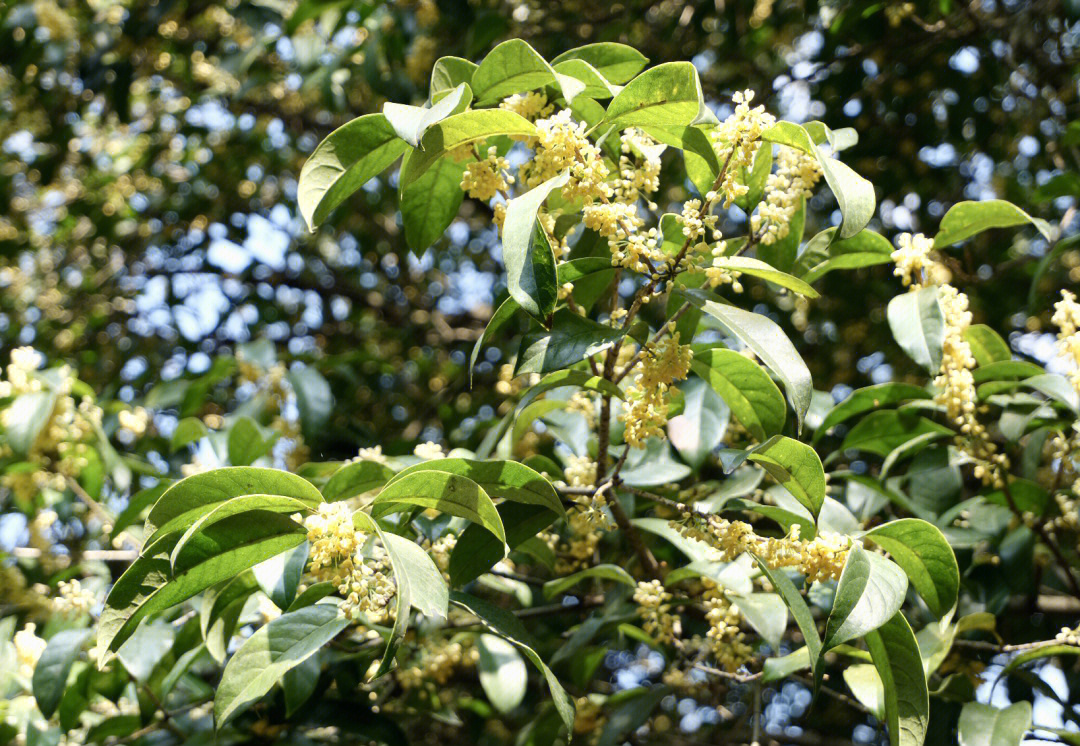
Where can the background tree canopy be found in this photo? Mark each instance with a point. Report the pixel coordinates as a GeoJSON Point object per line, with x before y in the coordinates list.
{"type": "Point", "coordinates": [156, 242]}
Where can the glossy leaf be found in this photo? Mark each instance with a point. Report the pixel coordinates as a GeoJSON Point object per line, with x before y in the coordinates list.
{"type": "Point", "coordinates": [768, 341]}
{"type": "Point", "coordinates": [924, 554]}
{"type": "Point", "coordinates": [356, 478]}
{"type": "Point", "coordinates": [270, 652]}
{"type": "Point", "coordinates": [754, 399]}
{"type": "Point", "coordinates": [571, 339]}
{"type": "Point", "coordinates": [895, 653]}
{"type": "Point", "coordinates": [344, 162]}
{"type": "Point", "coordinates": [918, 325]}
{"type": "Point", "coordinates": [665, 95]}
{"type": "Point", "coordinates": [796, 466]}
{"type": "Point", "coordinates": [870, 592]}
{"type": "Point", "coordinates": [461, 129]}
{"type": "Point", "coordinates": [51, 672]}
{"type": "Point", "coordinates": [966, 219]}
{"type": "Point", "coordinates": [411, 122]}
{"type": "Point", "coordinates": [430, 203]}
{"type": "Point", "coordinates": [527, 254]}
{"type": "Point", "coordinates": [614, 573]}
{"type": "Point", "coordinates": [616, 62]}
{"type": "Point", "coordinates": [508, 480]}
{"type": "Point", "coordinates": [869, 399]}
{"type": "Point", "coordinates": [883, 431]}
{"type": "Point", "coordinates": [513, 67]}
{"type": "Point", "coordinates": [503, 676]}
{"type": "Point", "coordinates": [507, 626]}
{"type": "Point", "coordinates": [193, 497]}
{"type": "Point", "coordinates": [442, 491]}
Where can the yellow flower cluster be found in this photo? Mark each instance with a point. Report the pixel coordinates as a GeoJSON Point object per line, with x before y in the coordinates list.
{"type": "Point", "coordinates": [654, 608]}
{"type": "Point", "coordinates": [59, 450]}
{"type": "Point", "coordinates": [438, 665]}
{"type": "Point", "coordinates": [135, 421]}
{"type": "Point", "coordinates": [365, 585]}
{"type": "Point", "coordinates": [1068, 636]}
{"type": "Point", "coordinates": [912, 259]}
{"type": "Point", "coordinates": [795, 177]}
{"type": "Point", "coordinates": [440, 551]}
{"type": "Point", "coordinates": [72, 598]}
{"type": "Point", "coordinates": [1067, 319]}
{"type": "Point", "coordinates": [696, 221]}
{"type": "Point", "coordinates": [727, 642]}
{"type": "Point", "coordinates": [28, 649]}
{"type": "Point", "coordinates": [737, 140]}
{"type": "Point", "coordinates": [561, 145]}
{"type": "Point", "coordinates": [429, 451]}
{"type": "Point", "coordinates": [370, 454]}
{"type": "Point", "coordinates": [821, 558]}
{"type": "Point", "coordinates": [532, 105]}
{"type": "Point", "coordinates": [580, 471]}
{"type": "Point", "coordinates": [484, 179]}
{"type": "Point", "coordinates": [645, 415]}
{"type": "Point", "coordinates": [955, 381]}
{"type": "Point", "coordinates": [1069, 520]}
{"type": "Point", "coordinates": [639, 167]}
{"type": "Point", "coordinates": [719, 276]}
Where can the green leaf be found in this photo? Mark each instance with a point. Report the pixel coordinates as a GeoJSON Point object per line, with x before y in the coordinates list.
{"type": "Point", "coordinates": [966, 219]}
{"type": "Point", "coordinates": [785, 518]}
{"type": "Point", "coordinates": [25, 418]}
{"type": "Point", "coordinates": [478, 549]}
{"type": "Point", "coordinates": [881, 432]}
{"type": "Point", "coordinates": [299, 683]}
{"type": "Point", "coordinates": [895, 653]}
{"type": "Point", "coordinates": [766, 613]}
{"type": "Point", "coordinates": [615, 573]}
{"type": "Point", "coordinates": [572, 338]}
{"type": "Point", "coordinates": [775, 669]}
{"type": "Point", "coordinates": [865, 249]}
{"type": "Point", "coordinates": [188, 430]}
{"type": "Point", "coordinates": [356, 478]}
{"type": "Point", "coordinates": [665, 95]}
{"type": "Point", "coordinates": [246, 443]}
{"type": "Point", "coordinates": [443, 491]}
{"type": "Point", "coordinates": [217, 553]}
{"type": "Point", "coordinates": [796, 466]}
{"type": "Point", "coordinates": [616, 62]}
{"type": "Point", "coordinates": [508, 480]}
{"type": "Point", "coordinates": [345, 161]}
{"type": "Point", "coordinates": [236, 506]}
{"type": "Point", "coordinates": [527, 253]}
{"type": "Point", "coordinates": [513, 67]}
{"type": "Point", "coordinates": [411, 122]}
{"type": "Point", "coordinates": [768, 341]}
{"type": "Point", "coordinates": [279, 576]}
{"type": "Point", "coordinates": [51, 672]}
{"type": "Point", "coordinates": [800, 612]}
{"type": "Point", "coordinates": [866, 685]}
{"type": "Point", "coordinates": [924, 554]}
{"type": "Point", "coordinates": [420, 585]}
{"type": "Point", "coordinates": [506, 625]}
{"type": "Point", "coordinates": [313, 399]}
{"type": "Point", "coordinates": [758, 268]}
{"type": "Point", "coordinates": [870, 592]}
{"type": "Point", "coordinates": [854, 194]}
{"type": "Point", "coordinates": [448, 73]}
{"type": "Point", "coordinates": [918, 324]}
{"type": "Point", "coordinates": [754, 399]}
{"type": "Point", "coordinates": [701, 426]}
{"type": "Point", "coordinates": [430, 204]}
{"type": "Point", "coordinates": [985, 725]}
{"type": "Point", "coordinates": [503, 676]}
{"type": "Point", "coordinates": [270, 652]}
{"type": "Point", "coordinates": [986, 345]}
{"type": "Point", "coordinates": [193, 497]}
{"type": "Point", "coordinates": [755, 178]}
{"type": "Point", "coordinates": [868, 399]}
{"type": "Point", "coordinates": [1056, 387]}
{"type": "Point", "coordinates": [462, 129]}
{"type": "Point", "coordinates": [596, 85]}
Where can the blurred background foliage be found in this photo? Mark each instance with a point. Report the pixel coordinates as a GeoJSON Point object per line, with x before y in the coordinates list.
{"type": "Point", "coordinates": [150, 154]}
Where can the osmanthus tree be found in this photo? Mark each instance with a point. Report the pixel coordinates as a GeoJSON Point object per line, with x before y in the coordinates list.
{"type": "Point", "coordinates": [667, 513]}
